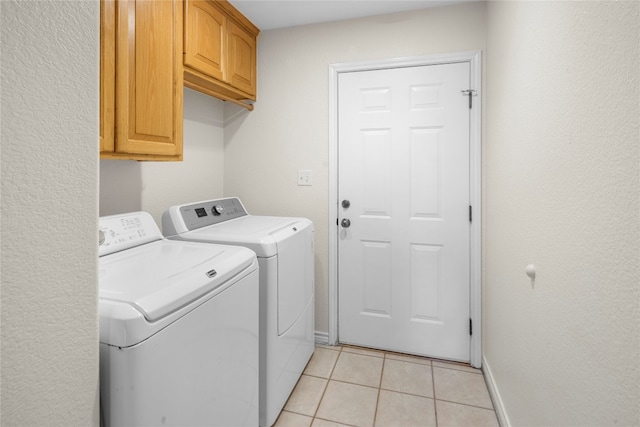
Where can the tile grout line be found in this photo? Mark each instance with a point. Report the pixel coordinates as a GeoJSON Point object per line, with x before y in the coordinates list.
{"type": "Point", "coordinates": [375, 410]}
{"type": "Point", "coordinates": [466, 404]}
{"type": "Point", "coordinates": [315, 413]}
{"type": "Point", "coordinates": [455, 368]}
{"type": "Point", "coordinates": [435, 399]}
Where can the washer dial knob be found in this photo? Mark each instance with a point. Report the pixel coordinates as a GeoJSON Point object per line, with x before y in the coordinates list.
{"type": "Point", "coordinates": [217, 210]}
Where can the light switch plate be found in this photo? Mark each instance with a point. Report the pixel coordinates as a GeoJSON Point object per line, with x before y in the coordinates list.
{"type": "Point", "coordinates": [304, 177]}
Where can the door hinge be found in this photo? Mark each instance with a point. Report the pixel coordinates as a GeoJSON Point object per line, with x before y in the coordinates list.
{"type": "Point", "coordinates": [470, 214]}
{"type": "Point", "coordinates": [470, 326]}
{"type": "Point", "coordinates": [470, 93]}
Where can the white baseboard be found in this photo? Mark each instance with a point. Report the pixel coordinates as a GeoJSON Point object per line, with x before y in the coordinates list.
{"type": "Point", "coordinates": [322, 338]}
{"type": "Point", "coordinates": [498, 405]}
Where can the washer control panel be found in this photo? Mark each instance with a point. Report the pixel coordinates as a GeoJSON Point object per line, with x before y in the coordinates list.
{"type": "Point", "coordinates": [211, 212]}
{"type": "Point", "coordinates": [120, 232]}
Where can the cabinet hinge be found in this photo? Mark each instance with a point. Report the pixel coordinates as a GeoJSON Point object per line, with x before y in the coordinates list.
{"type": "Point", "coordinates": [470, 326]}
{"type": "Point", "coordinates": [470, 214]}
{"type": "Point", "coordinates": [470, 93]}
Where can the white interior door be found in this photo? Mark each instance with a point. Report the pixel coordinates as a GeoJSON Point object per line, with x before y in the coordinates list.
{"type": "Point", "coordinates": [403, 244]}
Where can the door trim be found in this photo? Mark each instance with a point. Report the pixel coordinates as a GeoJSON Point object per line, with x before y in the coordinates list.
{"type": "Point", "coordinates": [474, 59]}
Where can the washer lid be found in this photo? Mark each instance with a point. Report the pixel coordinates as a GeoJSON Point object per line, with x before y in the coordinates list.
{"type": "Point", "coordinates": [162, 276]}
{"type": "Point", "coordinates": [258, 233]}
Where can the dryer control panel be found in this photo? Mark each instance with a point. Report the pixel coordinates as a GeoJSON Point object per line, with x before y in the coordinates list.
{"type": "Point", "coordinates": [211, 212]}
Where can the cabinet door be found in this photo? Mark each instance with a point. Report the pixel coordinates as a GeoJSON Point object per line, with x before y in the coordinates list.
{"type": "Point", "coordinates": [241, 70]}
{"type": "Point", "coordinates": [107, 74]}
{"type": "Point", "coordinates": [205, 38]}
{"type": "Point", "coordinates": [149, 77]}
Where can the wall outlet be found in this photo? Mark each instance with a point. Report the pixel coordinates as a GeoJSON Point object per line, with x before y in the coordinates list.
{"type": "Point", "coordinates": [304, 177]}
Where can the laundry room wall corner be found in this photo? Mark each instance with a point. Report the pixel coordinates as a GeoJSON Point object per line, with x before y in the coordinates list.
{"type": "Point", "coordinates": [127, 186]}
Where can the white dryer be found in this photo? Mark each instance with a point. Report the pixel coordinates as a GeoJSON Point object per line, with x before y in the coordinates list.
{"type": "Point", "coordinates": [284, 247]}
{"type": "Point", "coordinates": [179, 333]}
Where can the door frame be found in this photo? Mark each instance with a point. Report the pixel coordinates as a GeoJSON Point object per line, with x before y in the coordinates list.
{"type": "Point", "coordinates": [474, 59]}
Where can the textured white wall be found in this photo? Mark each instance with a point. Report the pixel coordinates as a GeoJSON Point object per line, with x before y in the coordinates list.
{"type": "Point", "coordinates": [561, 191]}
{"type": "Point", "coordinates": [49, 124]}
{"type": "Point", "coordinates": [127, 186]}
{"type": "Point", "coordinates": [288, 130]}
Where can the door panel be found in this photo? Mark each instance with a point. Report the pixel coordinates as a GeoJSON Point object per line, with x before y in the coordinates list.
{"type": "Point", "coordinates": [149, 77]}
{"type": "Point", "coordinates": [205, 38]}
{"type": "Point", "coordinates": [242, 59]}
{"type": "Point", "coordinates": [403, 266]}
{"type": "Point", "coordinates": [107, 75]}
{"type": "Point", "coordinates": [377, 279]}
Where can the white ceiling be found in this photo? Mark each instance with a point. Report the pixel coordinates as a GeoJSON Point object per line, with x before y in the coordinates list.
{"type": "Point", "coordinates": [270, 14]}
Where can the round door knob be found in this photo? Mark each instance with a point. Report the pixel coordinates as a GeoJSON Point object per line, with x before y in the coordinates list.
{"type": "Point", "coordinates": [345, 223]}
{"type": "Point", "coordinates": [346, 204]}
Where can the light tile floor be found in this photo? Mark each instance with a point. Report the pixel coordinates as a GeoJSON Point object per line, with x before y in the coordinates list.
{"type": "Point", "coordinates": [352, 386]}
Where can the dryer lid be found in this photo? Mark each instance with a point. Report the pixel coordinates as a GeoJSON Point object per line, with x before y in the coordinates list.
{"type": "Point", "coordinates": [165, 275]}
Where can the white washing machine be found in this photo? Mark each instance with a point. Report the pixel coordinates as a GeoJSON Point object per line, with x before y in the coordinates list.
{"type": "Point", "coordinates": [179, 333]}
{"type": "Point", "coordinates": [284, 247]}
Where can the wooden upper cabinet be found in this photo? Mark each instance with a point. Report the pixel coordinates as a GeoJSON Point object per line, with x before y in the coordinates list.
{"type": "Point", "coordinates": [206, 36]}
{"type": "Point", "coordinates": [148, 80]}
{"type": "Point", "coordinates": [220, 51]}
{"type": "Point", "coordinates": [241, 68]}
{"type": "Point", "coordinates": [107, 75]}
